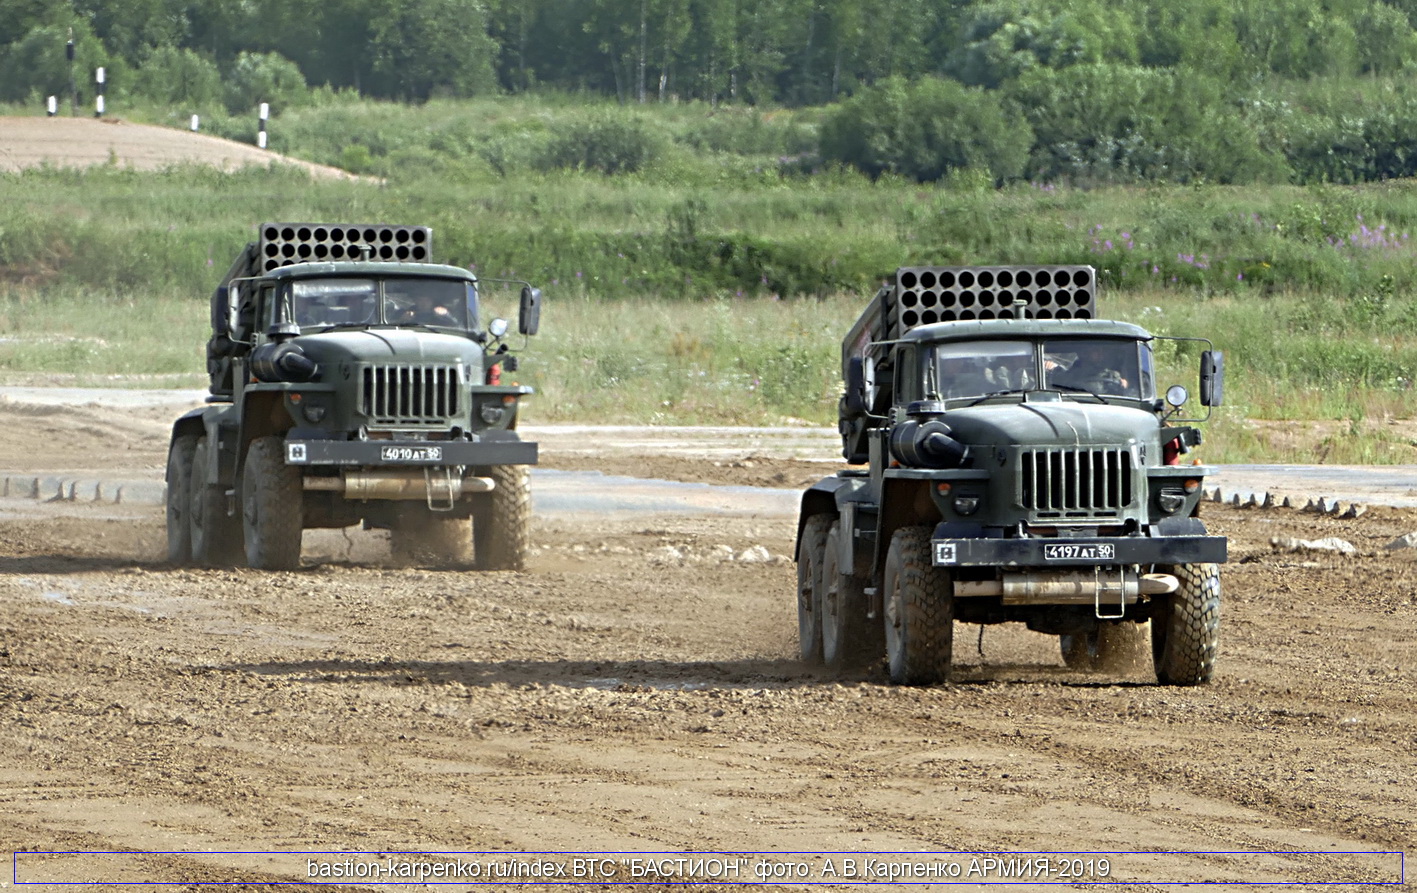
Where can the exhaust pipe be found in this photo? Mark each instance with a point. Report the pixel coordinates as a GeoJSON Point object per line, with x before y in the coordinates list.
{"type": "Point", "coordinates": [1068, 587]}
{"type": "Point", "coordinates": [400, 484]}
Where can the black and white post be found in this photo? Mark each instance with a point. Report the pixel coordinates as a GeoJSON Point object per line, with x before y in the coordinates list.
{"type": "Point", "coordinates": [52, 106]}
{"type": "Point", "coordinates": [98, 100]}
{"type": "Point", "coordinates": [73, 85]}
{"type": "Point", "coordinates": [261, 134]}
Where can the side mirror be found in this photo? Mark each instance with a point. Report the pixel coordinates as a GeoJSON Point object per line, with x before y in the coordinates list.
{"type": "Point", "coordinates": [529, 316]}
{"type": "Point", "coordinates": [1212, 377]}
{"type": "Point", "coordinates": [860, 385]}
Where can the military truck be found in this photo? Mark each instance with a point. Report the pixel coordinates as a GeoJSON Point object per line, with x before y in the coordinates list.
{"type": "Point", "coordinates": [353, 381]}
{"type": "Point", "coordinates": [1018, 467]}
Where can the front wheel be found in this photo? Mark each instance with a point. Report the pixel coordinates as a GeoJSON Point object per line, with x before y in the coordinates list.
{"type": "Point", "coordinates": [919, 609]}
{"type": "Point", "coordinates": [1185, 627]}
{"type": "Point", "coordinates": [501, 525]}
{"type": "Point", "coordinates": [271, 506]}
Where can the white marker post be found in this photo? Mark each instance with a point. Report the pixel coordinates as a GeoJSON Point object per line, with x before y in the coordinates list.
{"type": "Point", "coordinates": [98, 100]}
{"type": "Point", "coordinates": [261, 134]}
{"type": "Point", "coordinates": [52, 106]}
{"type": "Point", "coordinates": [196, 123]}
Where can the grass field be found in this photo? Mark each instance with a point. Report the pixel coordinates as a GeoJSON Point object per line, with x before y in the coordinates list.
{"type": "Point", "coordinates": [714, 284]}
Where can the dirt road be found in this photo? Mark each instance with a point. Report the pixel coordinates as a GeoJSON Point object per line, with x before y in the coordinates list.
{"type": "Point", "coordinates": [637, 690]}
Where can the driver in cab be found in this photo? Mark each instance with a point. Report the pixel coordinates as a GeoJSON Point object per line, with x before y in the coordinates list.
{"type": "Point", "coordinates": [1096, 367]}
{"type": "Point", "coordinates": [425, 310]}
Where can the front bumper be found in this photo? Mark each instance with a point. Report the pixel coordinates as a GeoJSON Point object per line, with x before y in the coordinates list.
{"type": "Point", "coordinates": [494, 448]}
{"type": "Point", "coordinates": [1041, 552]}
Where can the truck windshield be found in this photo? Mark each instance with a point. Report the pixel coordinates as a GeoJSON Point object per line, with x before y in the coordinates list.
{"type": "Point", "coordinates": [975, 368]}
{"type": "Point", "coordinates": [397, 301]}
{"type": "Point", "coordinates": [1107, 367]}
{"type": "Point", "coordinates": [1103, 367]}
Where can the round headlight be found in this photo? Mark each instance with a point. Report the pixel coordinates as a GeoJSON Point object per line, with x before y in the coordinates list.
{"type": "Point", "coordinates": [1177, 395]}
{"type": "Point", "coordinates": [497, 327]}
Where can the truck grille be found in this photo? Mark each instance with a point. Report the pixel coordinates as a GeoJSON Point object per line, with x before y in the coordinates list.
{"type": "Point", "coordinates": [411, 395]}
{"type": "Point", "coordinates": [1076, 483]}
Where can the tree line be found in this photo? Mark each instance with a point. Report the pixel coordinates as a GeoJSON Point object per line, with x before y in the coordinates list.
{"type": "Point", "coordinates": [789, 52]}
{"type": "Point", "coordinates": [1083, 90]}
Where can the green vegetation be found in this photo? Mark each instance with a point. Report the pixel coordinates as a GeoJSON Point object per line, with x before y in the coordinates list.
{"type": "Point", "coordinates": [1083, 92]}
{"type": "Point", "coordinates": [705, 287]}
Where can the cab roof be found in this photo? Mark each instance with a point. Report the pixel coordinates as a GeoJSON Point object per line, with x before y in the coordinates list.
{"type": "Point", "coordinates": [970, 330]}
{"type": "Point", "coordinates": [369, 268]}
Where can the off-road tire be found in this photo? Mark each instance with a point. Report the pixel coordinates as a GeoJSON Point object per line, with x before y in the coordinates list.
{"type": "Point", "coordinates": [1113, 647]}
{"type": "Point", "coordinates": [423, 537]}
{"type": "Point", "coordinates": [811, 552]}
{"type": "Point", "coordinates": [501, 526]}
{"type": "Point", "coordinates": [848, 636]}
{"type": "Point", "coordinates": [1185, 627]}
{"type": "Point", "coordinates": [214, 535]}
{"type": "Point", "coordinates": [271, 506]}
{"type": "Point", "coordinates": [918, 598]}
{"type": "Point", "coordinates": [179, 498]}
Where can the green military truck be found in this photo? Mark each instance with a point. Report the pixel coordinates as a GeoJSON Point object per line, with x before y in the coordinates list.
{"type": "Point", "coordinates": [353, 381]}
{"type": "Point", "coordinates": [1019, 466]}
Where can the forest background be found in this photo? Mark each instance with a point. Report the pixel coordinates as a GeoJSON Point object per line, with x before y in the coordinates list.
{"type": "Point", "coordinates": [709, 189]}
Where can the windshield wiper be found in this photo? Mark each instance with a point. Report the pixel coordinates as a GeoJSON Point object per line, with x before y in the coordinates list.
{"type": "Point", "coordinates": [1002, 393]}
{"type": "Point", "coordinates": [325, 327]}
{"type": "Point", "coordinates": [1069, 387]}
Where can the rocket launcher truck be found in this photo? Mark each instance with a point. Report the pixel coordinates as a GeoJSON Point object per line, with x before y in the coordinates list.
{"type": "Point", "coordinates": [353, 381]}
{"type": "Point", "coordinates": [1015, 464]}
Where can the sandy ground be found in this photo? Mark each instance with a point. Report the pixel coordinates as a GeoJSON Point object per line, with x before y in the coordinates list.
{"type": "Point", "coordinates": [637, 690]}
{"type": "Point", "coordinates": [82, 142]}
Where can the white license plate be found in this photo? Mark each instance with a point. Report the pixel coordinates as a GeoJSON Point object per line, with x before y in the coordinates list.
{"type": "Point", "coordinates": [1079, 552]}
{"type": "Point", "coordinates": [410, 454]}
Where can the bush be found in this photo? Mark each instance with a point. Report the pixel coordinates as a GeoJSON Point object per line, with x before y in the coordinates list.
{"type": "Point", "coordinates": [178, 77]}
{"type": "Point", "coordinates": [926, 129]}
{"type": "Point", "coordinates": [36, 64]}
{"type": "Point", "coordinates": [608, 143]}
{"type": "Point", "coordinates": [263, 77]}
{"type": "Point", "coordinates": [1122, 123]}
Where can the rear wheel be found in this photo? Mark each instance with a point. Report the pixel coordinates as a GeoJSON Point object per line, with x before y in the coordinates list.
{"type": "Point", "coordinates": [501, 525]}
{"type": "Point", "coordinates": [179, 498]}
{"type": "Point", "coordinates": [271, 510]}
{"type": "Point", "coordinates": [811, 551]}
{"type": "Point", "coordinates": [420, 536]}
{"type": "Point", "coordinates": [919, 609]}
{"type": "Point", "coordinates": [1185, 627]}
{"type": "Point", "coordinates": [215, 536]}
{"type": "Point", "coordinates": [848, 638]}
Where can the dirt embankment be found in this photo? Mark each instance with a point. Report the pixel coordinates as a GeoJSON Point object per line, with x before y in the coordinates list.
{"type": "Point", "coordinates": [85, 142]}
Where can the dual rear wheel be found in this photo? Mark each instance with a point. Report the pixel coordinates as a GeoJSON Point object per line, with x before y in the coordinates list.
{"type": "Point", "coordinates": [834, 625]}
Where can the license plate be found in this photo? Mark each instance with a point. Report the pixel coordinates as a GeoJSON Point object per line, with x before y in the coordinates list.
{"type": "Point", "coordinates": [1079, 552]}
{"type": "Point", "coordinates": [410, 454]}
